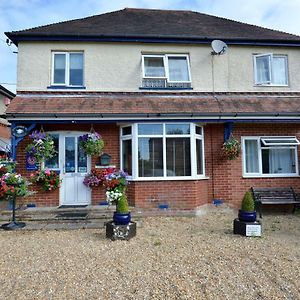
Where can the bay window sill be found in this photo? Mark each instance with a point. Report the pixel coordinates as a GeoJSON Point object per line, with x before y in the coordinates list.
{"type": "Point", "coordinates": [169, 178]}
{"type": "Point", "coordinates": [272, 176]}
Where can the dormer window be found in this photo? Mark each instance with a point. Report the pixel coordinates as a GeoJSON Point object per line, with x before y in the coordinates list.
{"type": "Point", "coordinates": [166, 71]}
{"type": "Point", "coordinates": [67, 69]}
{"type": "Point", "coordinates": [270, 69]}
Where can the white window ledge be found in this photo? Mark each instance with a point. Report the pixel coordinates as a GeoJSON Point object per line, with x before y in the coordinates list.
{"type": "Point", "coordinates": [168, 178]}
{"type": "Point", "coordinates": [271, 176]}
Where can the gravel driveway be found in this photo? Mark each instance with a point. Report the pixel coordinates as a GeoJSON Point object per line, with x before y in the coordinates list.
{"type": "Point", "coordinates": [170, 258]}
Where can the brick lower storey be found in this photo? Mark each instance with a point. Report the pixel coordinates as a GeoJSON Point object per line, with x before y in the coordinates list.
{"type": "Point", "coordinates": [224, 179]}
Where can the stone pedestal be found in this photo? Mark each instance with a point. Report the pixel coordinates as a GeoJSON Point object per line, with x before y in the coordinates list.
{"type": "Point", "coordinates": [247, 228]}
{"type": "Point", "coordinates": [120, 232]}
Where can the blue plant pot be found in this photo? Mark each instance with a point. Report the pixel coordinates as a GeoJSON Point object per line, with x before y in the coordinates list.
{"type": "Point", "coordinates": [121, 219]}
{"type": "Point", "coordinates": [247, 216]}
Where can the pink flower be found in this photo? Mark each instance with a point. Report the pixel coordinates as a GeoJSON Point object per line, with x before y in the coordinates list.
{"type": "Point", "coordinates": [47, 172]}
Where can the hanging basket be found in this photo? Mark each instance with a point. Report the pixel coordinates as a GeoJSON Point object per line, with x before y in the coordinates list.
{"type": "Point", "coordinates": [92, 143]}
{"type": "Point", "coordinates": [231, 148]}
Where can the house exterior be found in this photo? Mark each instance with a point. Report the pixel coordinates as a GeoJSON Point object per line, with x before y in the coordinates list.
{"type": "Point", "coordinates": [148, 82]}
{"type": "Point", "coordinates": [5, 97]}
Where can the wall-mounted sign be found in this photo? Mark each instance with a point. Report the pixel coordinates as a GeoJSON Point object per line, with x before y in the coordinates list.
{"type": "Point", "coordinates": [30, 163]}
{"type": "Point", "coordinates": [19, 131]}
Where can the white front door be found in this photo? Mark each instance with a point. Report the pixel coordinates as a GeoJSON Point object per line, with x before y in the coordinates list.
{"type": "Point", "coordinates": [75, 165]}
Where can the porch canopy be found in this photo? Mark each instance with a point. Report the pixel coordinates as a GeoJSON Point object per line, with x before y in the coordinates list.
{"type": "Point", "coordinates": [204, 107]}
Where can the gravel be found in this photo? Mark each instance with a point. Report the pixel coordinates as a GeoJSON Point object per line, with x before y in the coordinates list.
{"type": "Point", "coordinates": [170, 258]}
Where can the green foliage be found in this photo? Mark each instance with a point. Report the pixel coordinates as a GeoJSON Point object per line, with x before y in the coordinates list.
{"type": "Point", "coordinates": [122, 205]}
{"type": "Point", "coordinates": [248, 202]}
{"type": "Point", "coordinates": [47, 179]}
{"type": "Point", "coordinates": [231, 148]}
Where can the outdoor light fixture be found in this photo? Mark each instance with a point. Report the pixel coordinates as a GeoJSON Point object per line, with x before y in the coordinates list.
{"type": "Point", "coordinates": [19, 131]}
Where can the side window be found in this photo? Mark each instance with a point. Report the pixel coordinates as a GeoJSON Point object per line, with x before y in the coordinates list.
{"type": "Point", "coordinates": [270, 69]}
{"type": "Point", "coordinates": [67, 68]}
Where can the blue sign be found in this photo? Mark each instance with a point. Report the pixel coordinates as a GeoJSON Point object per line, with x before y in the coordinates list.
{"type": "Point", "coordinates": [30, 163]}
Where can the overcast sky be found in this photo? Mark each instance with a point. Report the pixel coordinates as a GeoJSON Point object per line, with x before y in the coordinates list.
{"type": "Point", "coordinates": [23, 14]}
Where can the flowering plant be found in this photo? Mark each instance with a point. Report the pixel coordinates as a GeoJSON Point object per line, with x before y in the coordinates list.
{"type": "Point", "coordinates": [14, 185]}
{"type": "Point", "coordinates": [92, 143]}
{"type": "Point", "coordinates": [115, 184]}
{"type": "Point", "coordinates": [96, 177]}
{"type": "Point", "coordinates": [42, 146]}
{"type": "Point", "coordinates": [48, 180]}
{"type": "Point", "coordinates": [231, 148]}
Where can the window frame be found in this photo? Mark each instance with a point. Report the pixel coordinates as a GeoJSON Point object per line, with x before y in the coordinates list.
{"type": "Point", "coordinates": [67, 68]}
{"type": "Point", "coordinates": [193, 153]}
{"type": "Point", "coordinates": [260, 174]}
{"type": "Point", "coordinates": [166, 66]}
{"type": "Point", "coordinates": [271, 56]}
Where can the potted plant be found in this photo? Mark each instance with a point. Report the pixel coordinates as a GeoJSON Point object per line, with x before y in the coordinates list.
{"type": "Point", "coordinates": [247, 212]}
{"type": "Point", "coordinates": [42, 146]}
{"type": "Point", "coordinates": [115, 184]}
{"type": "Point", "coordinates": [47, 179]}
{"type": "Point", "coordinates": [13, 185]}
{"type": "Point", "coordinates": [231, 148]}
{"type": "Point", "coordinates": [92, 143]}
{"type": "Point", "coordinates": [96, 177]}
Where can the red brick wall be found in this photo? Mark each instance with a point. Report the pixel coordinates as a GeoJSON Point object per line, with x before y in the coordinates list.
{"type": "Point", "coordinates": [4, 131]}
{"type": "Point", "coordinates": [224, 181]}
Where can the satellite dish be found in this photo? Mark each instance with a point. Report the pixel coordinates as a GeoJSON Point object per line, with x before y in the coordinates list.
{"type": "Point", "coordinates": [219, 47]}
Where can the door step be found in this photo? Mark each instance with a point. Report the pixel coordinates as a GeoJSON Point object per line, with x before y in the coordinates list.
{"type": "Point", "coordinates": [72, 216]}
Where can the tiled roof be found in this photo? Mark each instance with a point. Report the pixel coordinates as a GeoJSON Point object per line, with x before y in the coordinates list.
{"type": "Point", "coordinates": [159, 24]}
{"type": "Point", "coordinates": [117, 104]}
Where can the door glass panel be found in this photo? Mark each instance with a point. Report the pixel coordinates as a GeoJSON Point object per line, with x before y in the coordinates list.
{"type": "Point", "coordinates": [82, 160]}
{"type": "Point", "coordinates": [52, 163]}
{"type": "Point", "coordinates": [70, 154]}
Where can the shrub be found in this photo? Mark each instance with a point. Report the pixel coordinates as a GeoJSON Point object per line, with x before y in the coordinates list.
{"type": "Point", "coordinates": [122, 205]}
{"type": "Point", "coordinates": [248, 202]}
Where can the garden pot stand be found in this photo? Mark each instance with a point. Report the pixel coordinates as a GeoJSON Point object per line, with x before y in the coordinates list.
{"type": "Point", "coordinates": [247, 228]}
{"type": "Point", "coordinates": [13, 224]}
{"type": "Point", "coordinates": [120, 232]}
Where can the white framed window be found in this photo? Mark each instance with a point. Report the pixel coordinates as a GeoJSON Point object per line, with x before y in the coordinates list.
{"type": "Point", "coordinates": [67, 69]}
{"type": "Point", "coordinates": [170, 70]}
{"type": "Point", "coordinates": [162, 151]}
{"type": "Point", "coordinates": [270, 156]}
{"type": "Point", "coordinates": [270, 69]}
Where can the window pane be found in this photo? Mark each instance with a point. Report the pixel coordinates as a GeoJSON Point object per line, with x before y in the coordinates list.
{"type": "Point", "coordinates": [279, 70]}
{"type": "Point", "coordinates": [52, 163]}
{"type": "Point", "coordinates": [199, 153]}
{"type": "Point", "coordinates": [150, 154]}
{"type": "Point", "coordinates": [198, 130]}
{"type": "Point", "coordinates": [178, 157]}
{"type": "Point", "coordinates": [76, 69]}
{"type": "Point", "coordinates": [126, 130]}
{"type": "Point", "coordinates": [150, 129]}
{"type": "Point", "coordinates": [178, 69]}
{"type": "Point", "coordinates": [127, 156]}
{"type": "Point", "coordinates": [278, 161]}
{"type": "Point", "coordinates": [251, 156]}
{"type": "Point", "coordinates": [154, 67]}
{"type": "Point", "coordinates": [70, 154]}
{"type": "Point", "coordinates": [59, 68]}
{"type": "Point", "coordinates": [177, 128]}
{"type": "Point", "coordinates": [263, 72]}
{"type": "Point", "coordinates": [82, 160]}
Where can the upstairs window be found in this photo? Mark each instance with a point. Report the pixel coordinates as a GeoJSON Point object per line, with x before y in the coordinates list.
{"type": "Point", "coordinates": [166, 71]}
{"type": "Point", "coordinates": [67, 68]}
{"type": "Point", "coordinates": [270, 156]}
{"type": "Point", "coordinates": [270, 69]}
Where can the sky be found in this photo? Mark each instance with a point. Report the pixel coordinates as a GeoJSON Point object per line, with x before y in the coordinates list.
{"type": "Point", "coordinates": [23, 14]}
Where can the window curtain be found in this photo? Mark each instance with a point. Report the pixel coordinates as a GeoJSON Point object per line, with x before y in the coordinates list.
{"type": "Point", "coordinates": [59, 68]}
{"type": "Point", "coordinates": [263, 69]}
{"type": "Point", "coordinates": [76, 69]}
{"type": "Point", "coordinates": [281, 161]}
{"type": "Point", "coordinates": [279, 70]}
{"type": "Point", "coordinates": [178, 69]}
{"type": "Point", "coordinates": [251, 155]}
{"type": "Point", "coordinates": [154, 67]}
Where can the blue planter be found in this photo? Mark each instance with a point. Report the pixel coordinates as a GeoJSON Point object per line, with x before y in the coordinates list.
{"type": "Point", "coordinates": [121, 219]}
{"type": "Point", "coordinates": [247, 216]}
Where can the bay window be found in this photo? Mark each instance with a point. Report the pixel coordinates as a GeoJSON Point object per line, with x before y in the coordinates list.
{"type": "Point", "coordinates": [270, 156]}
{"type": "Point", "coordinates": [67, 68]}
{"type": "Point", "coordinates": [270, 69]}
{"type": "Point", "coordinates": [163, 150]}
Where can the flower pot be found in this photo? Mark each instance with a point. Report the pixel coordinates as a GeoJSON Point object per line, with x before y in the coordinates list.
{"type": "Point", "coordinates": [121, 219]}
{"type": "Point", "coordinates": [246, 216]}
